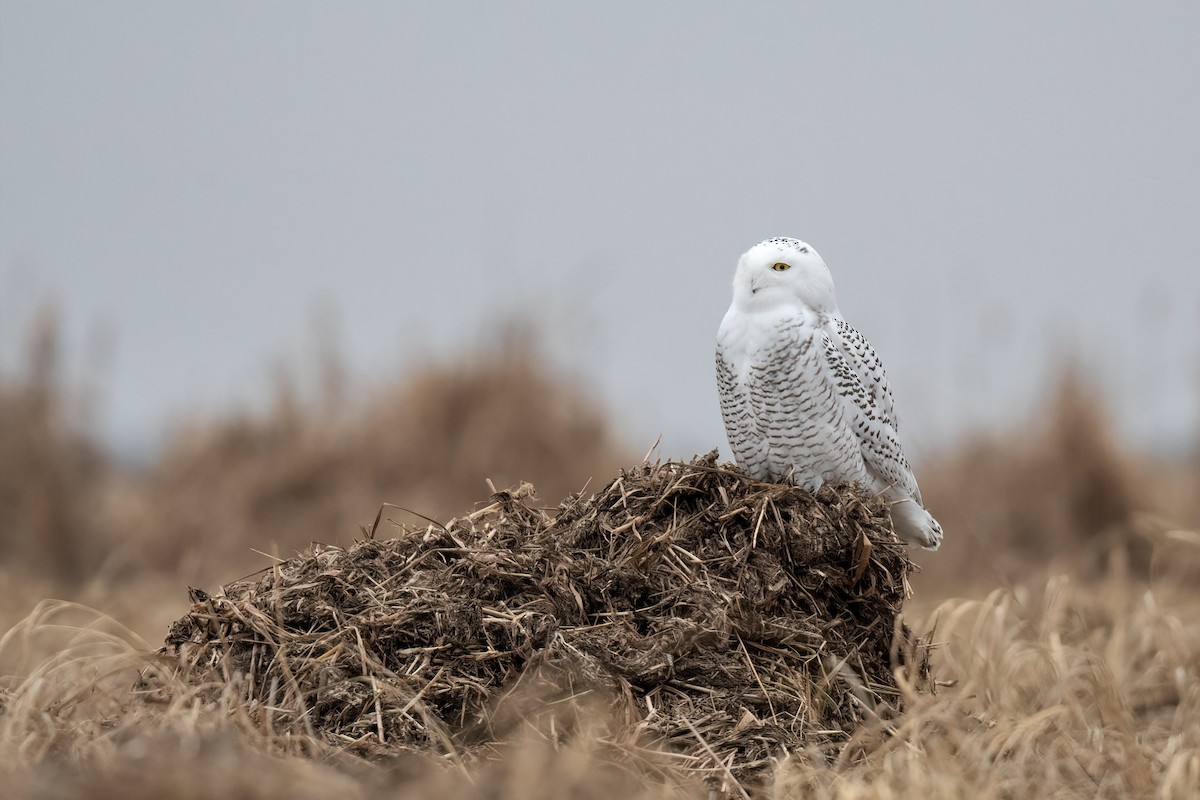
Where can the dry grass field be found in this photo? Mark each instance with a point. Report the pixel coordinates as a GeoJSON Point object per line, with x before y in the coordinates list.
{"type": "Point", "coordinates": [1060, 622]}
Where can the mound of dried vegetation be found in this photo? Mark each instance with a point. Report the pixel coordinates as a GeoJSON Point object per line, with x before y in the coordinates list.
{"type": "Point", "coordinates": [729, 620]}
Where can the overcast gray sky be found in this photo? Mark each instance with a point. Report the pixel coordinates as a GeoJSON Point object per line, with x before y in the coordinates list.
{"type": "Point", "coordinates": [991, 186]}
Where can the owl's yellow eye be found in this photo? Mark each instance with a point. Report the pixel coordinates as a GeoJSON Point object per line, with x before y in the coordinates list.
{"type": "Point", "coordinates": [780, 266]}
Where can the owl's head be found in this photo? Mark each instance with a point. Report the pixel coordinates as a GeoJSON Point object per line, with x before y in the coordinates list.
{"type": "Point", "coordinates": [783, 270]}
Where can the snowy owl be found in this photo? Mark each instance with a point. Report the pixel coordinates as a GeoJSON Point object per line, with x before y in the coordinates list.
{"type": "Point", "coordinates": [803, 394]}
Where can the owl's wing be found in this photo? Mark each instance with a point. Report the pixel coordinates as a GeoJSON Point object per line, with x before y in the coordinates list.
{"type": "Point", "coordinates": [747, 442]}
{"type": "Point", "coordinates": [861, 385]}
{"type": "Point", "coordinates": [856, 350]}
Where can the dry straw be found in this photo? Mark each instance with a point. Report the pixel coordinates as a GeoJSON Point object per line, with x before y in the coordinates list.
{"type": "Point", "coordinates": [731, 622]}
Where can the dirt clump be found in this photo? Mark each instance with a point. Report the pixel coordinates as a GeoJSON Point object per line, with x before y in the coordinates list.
{"type": "Point", "coordinates": [726, 620]}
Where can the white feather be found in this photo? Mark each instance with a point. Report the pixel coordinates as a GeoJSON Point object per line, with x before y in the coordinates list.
{"type": "Point", "coordinates": [803, 394]}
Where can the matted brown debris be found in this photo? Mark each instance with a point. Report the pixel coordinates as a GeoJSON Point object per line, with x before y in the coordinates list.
{"type": "Point", "coordinates": [729, 620]}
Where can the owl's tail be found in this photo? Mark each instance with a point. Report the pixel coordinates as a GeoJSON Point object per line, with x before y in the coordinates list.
{"type": "Point", "coordinates": [915, 525]}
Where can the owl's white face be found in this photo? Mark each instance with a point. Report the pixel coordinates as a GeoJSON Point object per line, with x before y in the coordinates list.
{"type": "Point", "coordinates": [780, 271]}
